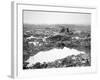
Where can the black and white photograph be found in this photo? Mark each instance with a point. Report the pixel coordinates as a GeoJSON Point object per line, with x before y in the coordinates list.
{"type": "Point", "coordinates": [54, 39]}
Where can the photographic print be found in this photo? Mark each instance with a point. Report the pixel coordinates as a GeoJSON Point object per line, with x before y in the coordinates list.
{"type": "Point", "coordinates": [54, 39]}
{"type": "Point", "coordinates": [50, 40]}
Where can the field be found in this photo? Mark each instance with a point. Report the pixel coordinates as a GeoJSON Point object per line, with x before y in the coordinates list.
{"type": "Point", "coordinates": [37, 38]}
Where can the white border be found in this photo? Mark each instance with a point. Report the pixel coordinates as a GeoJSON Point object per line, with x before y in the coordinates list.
{"type": "Point", "coordinates": [17, 51]}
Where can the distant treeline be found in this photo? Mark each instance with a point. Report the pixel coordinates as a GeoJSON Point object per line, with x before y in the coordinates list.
{"type": "Point", "coordinates": [70, 26]}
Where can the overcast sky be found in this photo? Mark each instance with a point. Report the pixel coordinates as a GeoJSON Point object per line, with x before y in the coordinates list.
{"type": "Point", "coordinates": [39, 17]}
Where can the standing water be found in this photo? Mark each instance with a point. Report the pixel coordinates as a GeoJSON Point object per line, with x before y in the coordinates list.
{"type": "Point", "coordinates": [52, 55]}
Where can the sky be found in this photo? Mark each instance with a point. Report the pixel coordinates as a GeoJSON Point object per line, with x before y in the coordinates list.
{"type": "Point", "coordinates": [43, 17]}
